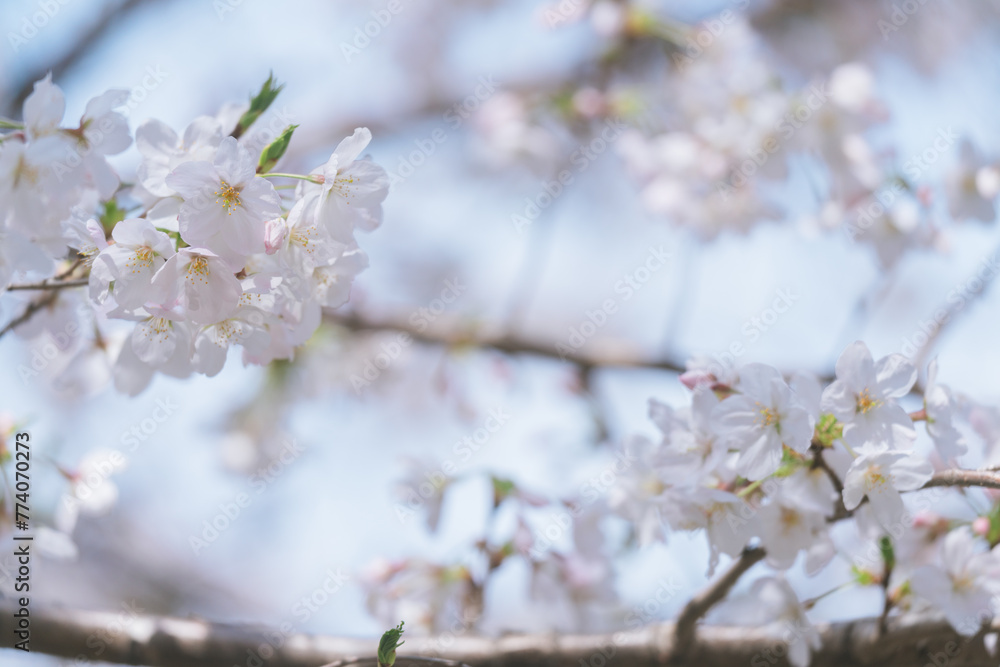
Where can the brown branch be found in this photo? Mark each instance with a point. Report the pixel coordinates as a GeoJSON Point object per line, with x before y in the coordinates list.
{"type": "Point", "coordinates": [112, 15]}
{"type": "Point", "coordinates": [952, 309]}
{"type": "Point", "coordinates": [46, 285]}
{"type": "Point", "coordinates": [445, 334]}
{"type": "Point", "coordinates": [136, 639]}
{"type": "Point", "coordinates": [29, 312]}
{"type": "Point", "coordinates": [984, 478]}
{"type": "Point", "coordinates": [684, 630]}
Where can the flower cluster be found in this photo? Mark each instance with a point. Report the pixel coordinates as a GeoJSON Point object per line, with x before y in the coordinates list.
{"type": "Point", "coordinates": [802, 471]}
{"type": "Point", "coordinates": [203, 252]}
{"type": "Point", "coordinates": [719, 129]}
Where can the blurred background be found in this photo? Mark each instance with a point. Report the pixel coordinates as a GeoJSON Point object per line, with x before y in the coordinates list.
{"type": "Point", "coordinates": [507, 230]}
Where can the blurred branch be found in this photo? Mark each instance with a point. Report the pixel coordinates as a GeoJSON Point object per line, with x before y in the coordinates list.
{"type": "Point", "coordinates": [444, 334]}
{"type": "Point", "coordinates": [984, 478]}
{"type": "Point", "coordinates": [191, 642]}
{"type": "Point", "coordinates": [113, 13]}
{"type": "Point", "coordinates": [699, 605]}
{"type": "Point", "coordinates": [952, 308]}
{"type": "Point", "coordinates": [29, 312]}
{"type": "Point", "coordinates": [49, 285]}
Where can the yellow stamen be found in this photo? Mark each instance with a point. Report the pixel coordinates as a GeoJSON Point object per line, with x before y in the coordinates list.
{"type": "Point", "coordinates": [228, 196]}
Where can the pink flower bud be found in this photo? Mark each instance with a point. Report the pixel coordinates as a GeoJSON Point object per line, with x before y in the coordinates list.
{"type": "Point", "coordinates": [692, 379]}
{"type": "Point", "coordinates": [981, 526]}
{"type": "Point", "coordinates": [274, 235]}
{"type": "Point", "coordinates": [925, 519]}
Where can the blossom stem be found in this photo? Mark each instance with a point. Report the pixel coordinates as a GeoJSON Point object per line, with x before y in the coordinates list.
{"type": "Point", "coordinates": [61, 284]}
{"type": "Point", "coordinates": [301, 177]}
{"type": "Point", "coordinates": [747, 490]}
{"type": "Point", "coordinates": [10, 125]}
{"type": "Point", "coordinates": [811, 602]}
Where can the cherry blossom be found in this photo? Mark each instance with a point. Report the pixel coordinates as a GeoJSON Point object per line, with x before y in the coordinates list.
{"type": "Point", "coordinates": [863, 397]}
{"type": "Point", "coordinates": [880, 474]}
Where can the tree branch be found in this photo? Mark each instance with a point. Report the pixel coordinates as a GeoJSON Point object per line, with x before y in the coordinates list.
{"type": "Point", "coordinates": [112, 14]}
{"type": "Point", "coordinates": [126, 638]}
{"type": "Point", "coordinates": [985, 478]}
{"type": "Point", "coordinates": [33, 307]}
{"type": "Point", "coordinates": [684, 630]}
{"type": "Point", "coordinates": [46, 285]}
{"type": "Point", "coordinates": [444, 334]}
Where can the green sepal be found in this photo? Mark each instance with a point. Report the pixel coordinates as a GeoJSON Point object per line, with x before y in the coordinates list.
{"type": "Point", "coordinates": [388, 644]}
{"type": "Point", "coordinates": [274, 150]}
{"type": "Point", "coordinates": [258, 104]}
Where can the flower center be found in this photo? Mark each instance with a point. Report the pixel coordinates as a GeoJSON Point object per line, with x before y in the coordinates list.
{"type": "Point", "coordinates": [875, 479]}
{"type": "Point", "coordinates": [765, 416]}
{"type": "Point", "coordinates": [228, 196]}
{"type": "Point", "coordinates": [790, 518]}
{"type": "Point", "coordinates": [198, 270]}
{"type": "Point", "coordinates": [143, 258]}
{"type": "Point", "coordinates": [864, 403]}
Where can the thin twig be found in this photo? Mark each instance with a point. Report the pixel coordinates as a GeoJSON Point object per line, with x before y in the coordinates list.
{"type": "Point", "coordinates": [448, 335]}
{"type": "Point", "coordinates": [112, 15]}
{"type": "Point", "coordinates": [684, 630]}
{"type": "Point", "coordinates": [32, 308]}
{"type": "Point", "coordinates": [49, 285]}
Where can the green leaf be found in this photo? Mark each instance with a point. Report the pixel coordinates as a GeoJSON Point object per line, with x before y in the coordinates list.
{"type": "Point", "coordinates": [501, 489]}
{"type": "Point", "coordinates": [888, 553]}
{"type": "Point", "coordinates": [863, 577]}
{"type": "Point", "coordinates": [274, 150]}
{"type": "Point", "coordinates": [111, 215]}
{"type": "Point", "coordinates": [388, 644]}
{"type": "Point", "coordinates": [828, 429]}
{"type": "Point", "coordinates": [258, 105]}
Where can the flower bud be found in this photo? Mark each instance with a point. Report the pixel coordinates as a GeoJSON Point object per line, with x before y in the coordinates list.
{"type": "Point", "coordinates": [275, 232]}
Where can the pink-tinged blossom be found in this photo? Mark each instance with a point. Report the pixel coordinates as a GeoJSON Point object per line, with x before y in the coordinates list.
{"type": "Point", "coordinates": [964, 586]}
{"type": "Point", "coordinates": [938, 402]}
{"type": "Point", "coordinates": [880, 474]}
{"type": "Point", "coordinates": [163, 151]}
{"type": "Point", "coordinates": [863, 397]}
{"type": "Point", "coordinates": [351, 194]}
{"type": "Point", "coordinates": [125, 268]}
{"type": "Point", "coordinates": [226, 205]}
{"type": "Point", "coordinates": [761, 420]}
{"type": "Point", "coordinates": [198, 284]}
